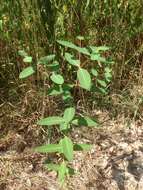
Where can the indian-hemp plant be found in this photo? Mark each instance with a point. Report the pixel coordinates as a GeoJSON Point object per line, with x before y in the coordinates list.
{"type": "Point", "coordinates": [93, 76]}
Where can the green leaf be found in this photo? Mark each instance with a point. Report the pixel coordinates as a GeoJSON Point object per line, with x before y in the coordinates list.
{"type": "Point", "coordinates": [56, 78]}
{"type": "Point", "coordinates": [81, 38]}
{"type": "Point", "coordinates": [67, 146]}
{"type": "Point", "coordinates": [102, 83]}
{"type": "Point", "coordinates": [87, 4]}
{"type": "Point", "coordinates": [108, 70]}
{"type": "Point", "coordinates": [55, 120]}
{"type": "Point", "coordinates": [62, 172]}
{"type": "Point", "coordinates": [82, 50]}
{"type": "Point", "coordinates": [54, 167]}
{"type": "Point", "coordinates": [1, 25]}
{"type": "Point", "coordinates": [95, 57]}
{"type": "Point", "coordinates": [67, 87]}
{"type": "Point", "coordinates": [108, 76]}
{"type": "Point", "coordinates": [84, 78]}
{"type": "Point", "coordinates": [46, 59]}
{"type": "Point", "coordinates": [96, 49]}
{"type": "Point", "coordinates": [26, 72]}
{"type": "Point", "coordinates": [49, 148]}
{"type": "Point", "coordinates": [94, 72]}
{"type": "Point", "coordinates": [67, 96]}
{"type": "Point", "coordinates": [54, 91]}
{"type": "Point", "coordinates": [85, 121]}
{"type": "Point", "coordinates": [64, 126]}
{"type": "Point", "coordinates": [27, 59]}
{"type": "Point", "coordinates": [22, 53]}
{"type": "Point", "coordinates": [70, 60]}
{"type": "Point", "coordinates": [82, 147]}
{"type": "Point", "coordinates": [102, 90]}
{"type": "Point", "coordinates": [69, 114]}
{"type": "Point", "coordinates": [103, 48]}
{"type": "Point", "coordinates": [54, 66]}
{"type": "Point", "coordinates": [66, 44]}
{"type": "Point", "coordinates": [73, 46]}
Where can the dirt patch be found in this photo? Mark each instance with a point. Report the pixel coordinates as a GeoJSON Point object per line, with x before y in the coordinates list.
{"type": "Point", "coordinates": [115, 161]}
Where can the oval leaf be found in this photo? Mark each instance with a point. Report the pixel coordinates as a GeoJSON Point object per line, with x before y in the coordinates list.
{"type": "Point", "coordinates": [62, 172]}
{"type": "Point", "coordinates": [94, 72]}
{"type": "Point", "coordinates": [56, 78]}
{"type": "Point", "coordinates": [66, 44]}
{"type": "Point", "coordinates": [64, 126]}
{"type": "Point", "coordinates": [55, 120]}
{"type": "Point", "coordinates": [69, 114]}
{"type": "Point", "coordinates": [85, 121]}
{"type": "Point", "coordinates": [82, 50]}
{"type": "Point", "coordinates": [46, 59]}
{"type": "Point", "coordinates": [67, 147]}
{"type": "Point", "coordinates": [55, 90]}
{"type": "Point", "coordinates": [102, 83]}
{"type": "Point", "coordinates": [70, 60]}
{"type": "Point", "coordinates": [84, 78]}
{"type": "Point", "coordinates": [22, 53]}
{"type": "Point", "coordinates": [27, 59]}
{"type": "Point", "coordinates": [26, 72]}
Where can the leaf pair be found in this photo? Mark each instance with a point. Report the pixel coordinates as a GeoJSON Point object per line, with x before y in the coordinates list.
{"type": "Point", "coordinates": [65, 147]}
{"type": "Point", "coordinates": [64, 121]}
{"type": "Point", "coordinates": [73, 46]}
{"type": "Point", "coordinates": [68, 118]}
{"type": "Point", "coordinates": [27, 59]}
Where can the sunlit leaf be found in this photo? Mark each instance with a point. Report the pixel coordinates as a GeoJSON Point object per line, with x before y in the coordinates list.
{"type": "Point", "coordinates": [85, 121]}
{"type": "Point", "coordinates": [54, 91]}
{"type": "Point", "coordinates": [102, 83]}
{"type": "Point", "coordinates": [84, 78]}
{"type": "Point", "coordinates": [82, 50]}
{"type": "Point", "coordinates": [96, 49]}
{"type": "Point", "coordinates": [54, 120]}
{"type": "Point", "coordinates": [94, 72]}
{"type": "Point", "coordinates": [64, 126]}
{"type": "Point", "coordinates": [103, 48]}
{"type": "Point", "coordinates": [70, 60]}
{"type": "Point", "coordinates": [87, 4]}
{"type": "Point", "coordinates": [1, 25]}
{"type": "Point", "coordinates": [81, 38]}
{"type": "Point", "coordinates": [69, 114]}
{"type": "Point", "coordinates": [46, 59]}
{"type": "Point", "coordinates": [57, 78]}
{"type": "Point", "coordinates": [66, 44]}
{"type": "Point", "coordinates": [67, 146]}
{"type": "Point", "coordinates": [102, 90]}
{"type": "Point", "coordinates": [97, 57]}
{"type": "Point", "coordinates": [49, 148]}
{"type": "Point", "coordinates": [27, 59]}
{"type": "Point", "coordinates": [62, 172]}
{"type": "Point", "coordinates": [26, 72]}
{"type": "Point", "coordinates": [22, 53]}
{"type": "Point", "coordinates": [54, 66]}
{"type": "Point", "coordinates": [67, 96]}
